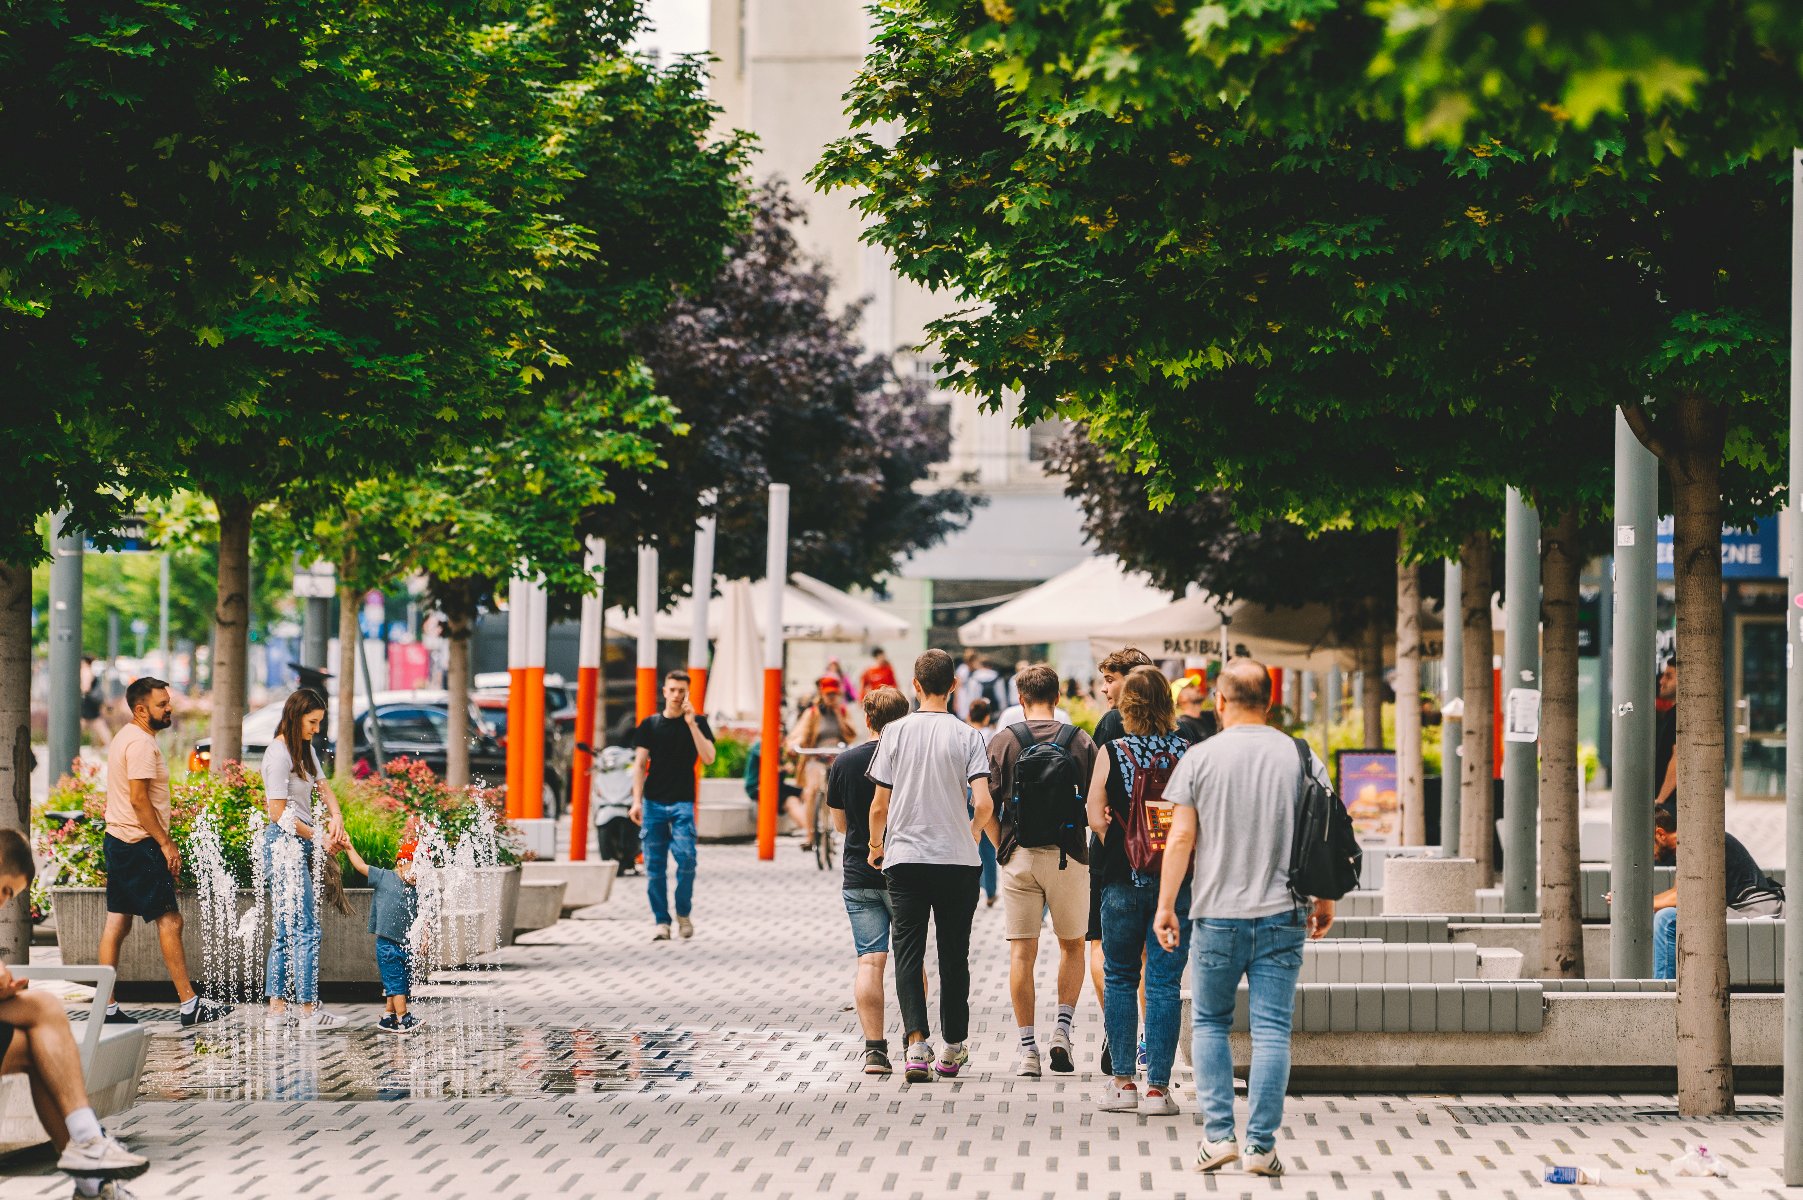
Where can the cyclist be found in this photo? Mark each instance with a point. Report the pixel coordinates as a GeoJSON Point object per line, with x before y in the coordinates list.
{"type": "Point", "coordinates": [826, 725]}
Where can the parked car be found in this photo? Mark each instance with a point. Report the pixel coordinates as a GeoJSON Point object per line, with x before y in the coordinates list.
{"type": "Point", "coordinates": [411, 724]}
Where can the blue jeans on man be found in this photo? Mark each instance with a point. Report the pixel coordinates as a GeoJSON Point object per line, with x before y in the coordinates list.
{"type": "Point", "coordinates": [1267, 953]}
{"type": "Point", "coordinates": [1665, 943]}
{"type": "Point", "coordinates": [1127, 912]}
{"type": "Point", "coordinates": [669, 829]}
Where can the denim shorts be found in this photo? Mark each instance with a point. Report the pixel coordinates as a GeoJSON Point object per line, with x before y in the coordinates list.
{"type": "Point", "coordinates": [871, 913]}
{"type": "Point", "coordinates": [391, 961]}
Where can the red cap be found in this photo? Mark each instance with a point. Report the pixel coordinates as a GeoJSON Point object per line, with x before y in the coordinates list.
{"type": "Point", "coordinates": [405, 853]}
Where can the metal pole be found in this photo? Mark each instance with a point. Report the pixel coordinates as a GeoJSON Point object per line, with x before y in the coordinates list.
{"type": "Point", "coordinates": [316, 612]}
{"type": "Point", "coordinates": [1521, 698]}
{"type": "Point", "coordinates": [519, 604]}
{"type": "Point", "coordinates": [776, 578]}
{"type": "Point", "coordinates": [1793, 736]}
{"type": "Point", "coordinates": [1632, 652]}
{"type": "Point", "coordinates": [1452, 687]}
{"type": "Point", "coordinates": [1605, 676]}
{"type": "Point", "coordinates": [64, 734]}
{"type": "Point", "coordinates": [532, 731]}
{"type": "Point", "coordinates": [369, 695]}
{"type": "Point", "coordinates": [701, 594]}
{"type": "Point", "coordinates": [648, 699]}
{"type": "Point", "coordinates": [590, 646]}
{"type": "Point", "coordinates": [168, 668]}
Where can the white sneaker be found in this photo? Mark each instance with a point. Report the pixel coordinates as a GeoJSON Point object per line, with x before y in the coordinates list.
{"type": "Point", "coordinates": [1062, 1062]}
{"type": "Point", "coordinates": [110, 1189]}
{"type": "Point", "coordinates": [1029, 1064]}
{"type": "Point", "coordinates": [320, 1018]}
{"type": "Point", "coordinates": [1262, 1162]}
{"type": "Point", "coordinates": [1116, 1098]}
{"type": "Point", "coordinates": [1212, 1156]}
{"type": "Point", "coordinates": [685, 928]}
{"type": "Point", "coordinates": [103, 1155]}
{"type": "Point", "coordinates": [662, 934]}
{"type": "Point", "coordinates": [919, 1065]}
{"type": "Point", "coordinates": [1158, 1102]}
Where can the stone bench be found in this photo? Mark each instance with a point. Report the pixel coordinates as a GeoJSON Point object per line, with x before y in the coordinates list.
{"type": "Point", "coordinates": [1339, 961]}
{"type": "Point", "coordinates": [1609, 985]}
{"type": "Point", "coordinates": [1755, 945]}
{"type": "Point", "coordinates": [540, 906]}
{"type": "Point", "coordinates": [1391, 929]}
{"type": "Point", "coordinates": [1756, 952]}
{"type": "Point", "coordinates": [1371, 868]}
{"type": "Point", "coordinates": [112, 1056]}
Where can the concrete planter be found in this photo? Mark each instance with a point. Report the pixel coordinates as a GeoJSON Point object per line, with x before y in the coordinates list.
{"type": "Point", "coordinates": [585, 883]}
{"type": "Point", "coordinates": [1414, 886]}
{"type": "Point", "coordinates": [538, 835]}
{"type": "Point", "coordinates": [541, 904]}
{"type": "Point", "coordinates": [499, 892]}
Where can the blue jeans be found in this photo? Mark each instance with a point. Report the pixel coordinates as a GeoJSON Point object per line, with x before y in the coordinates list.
{"type": "Point", "coordinates": [291, 969]}
{"type": "Point", "coordinates": [872, 914]}
{"type": "Point", "coordinates": [1267, 952]}
{"type": "Point", "coordinates": [1665, 944]}
{"type": "Point", "coordinates": [669, 829]}
{"type": "Point", "coordinates": [1127, 912]}
{"type": "Point", "coordinates": [391, 962]}
{"type": "Point", "coordinates": [991, 875]}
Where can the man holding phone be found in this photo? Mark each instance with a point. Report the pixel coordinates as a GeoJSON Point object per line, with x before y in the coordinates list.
{"type": "Point", "coordinates": [668, 745]}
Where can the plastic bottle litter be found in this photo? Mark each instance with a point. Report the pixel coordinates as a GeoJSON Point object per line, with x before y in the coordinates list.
{"type": "Point", "coordinates": [1700, 1162]}
{"type": "Point", "coordinates": [1572, 1175]}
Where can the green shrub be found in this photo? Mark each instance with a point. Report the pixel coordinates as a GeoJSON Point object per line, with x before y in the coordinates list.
{"type": "Point", "coordinates": [729, 758]}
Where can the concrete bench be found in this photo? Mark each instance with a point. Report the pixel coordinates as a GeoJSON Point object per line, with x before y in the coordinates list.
{"type": "Point", "coordinates": [587, 883]}
{"type": "Point", "coordinates": [1371, 868]}
{"type": "Point", "coordinates": [1339, 961]}
{"type": "Point", "coordinates": [541, 904]}
{"type": "Point", "coordinates": [1595, 882]}
{"type": "Point", "coordinates": [112, 1058]}
{"type": "Point", "coordinates": [1755, 945]}
{"type": "Point", "coordinates": [1756, 952]}
{"type": "Point", "coordinates": [1391, 929]}
{"type": "Point", "coordinates": [1608, 985]}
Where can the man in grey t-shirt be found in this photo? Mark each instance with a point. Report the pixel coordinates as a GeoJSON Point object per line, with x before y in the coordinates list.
{"type": "Point", "coordinates": [1235, 798]}
{"type": "Point", "coordinates": [924, 838]}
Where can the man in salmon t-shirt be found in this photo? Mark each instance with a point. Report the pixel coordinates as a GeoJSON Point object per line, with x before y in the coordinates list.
{"type": "Point", "coordinates": [879, 674]}
{"type": "Point", "coordinates": [142, 860]}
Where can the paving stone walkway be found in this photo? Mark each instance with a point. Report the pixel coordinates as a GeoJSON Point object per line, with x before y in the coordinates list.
{"type": "Point", "coordinates": [589, 1061]}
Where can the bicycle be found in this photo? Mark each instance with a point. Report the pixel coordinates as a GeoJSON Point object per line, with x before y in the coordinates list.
{"type": "Point", "coordinates": [822, 832]}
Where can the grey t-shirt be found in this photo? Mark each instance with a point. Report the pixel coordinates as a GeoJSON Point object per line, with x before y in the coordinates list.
{"type": "Point", "coordinates": [1242, 783]}
{"type": "Point", "coordinates": [281, 781]}
{"type": "Point", "coordinates": [392, 908]}
{"type": "Point", "coordinates": [927, 760]}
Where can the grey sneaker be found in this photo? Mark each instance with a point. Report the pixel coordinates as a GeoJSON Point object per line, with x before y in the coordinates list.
{"type": "Point", "coordinates": [685, 928]}
{"type": "Point", "coordinates": [1060, 1052]}
{"type": "Point", "coordinates": [1212, 1156]}
{"type": "Point", "coordinates": [920, 1063]}
{"type": "Point", "coordinates": [1029, 1064]}
{"type": "Point", "coordinates": [662, 934]}
{"type": "Point", "coordinates": [104, 1156]}
{"type": "Point", "coordinates": [1262, 1162]}
{"type": "Point", "coordinates": [951, 1059]}
{"type": "Point", "coordinates": [1157, 1102]}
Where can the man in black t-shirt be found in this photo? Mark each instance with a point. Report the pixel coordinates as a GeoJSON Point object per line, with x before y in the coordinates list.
{"type": "Point", "coordinates": [849, 792]}
{"type": "Point", "coordinates": [1665, 738]}
{"type": "Point", "coordinates": [668, 745]}
{"type": "Point", "coordinates": [1750, 893]}
{"type": "Point", "coordinates": [1194, 723]}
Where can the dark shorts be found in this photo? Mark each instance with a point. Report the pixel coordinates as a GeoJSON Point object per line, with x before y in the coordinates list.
{"type": "Point", "coordinates": [1095, 892]}
{"type": "Point", "coordinates": [138, 882]}
{"type": "Point", "coordinates": [6, 1037]}
{"type": "Point", "coordinates": [391, 961]}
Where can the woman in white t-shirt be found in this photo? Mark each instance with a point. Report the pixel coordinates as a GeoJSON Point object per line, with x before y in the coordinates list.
{"type": "Point", "coordinates": [299, 834]}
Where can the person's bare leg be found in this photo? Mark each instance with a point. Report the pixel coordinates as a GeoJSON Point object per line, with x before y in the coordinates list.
{"type": "Point", "coordinates": [867, 994]}
{"type": "Point", "coordinates": [1096, 963]}
{"type": "Point", "coordinates": [1070, 970]}
{"type": "Point", "coordinates": [112, 937]}
{"type": "Point", "coordinates": [169, 935]}
{"type": "Point", "coordinates": [1023, 953]}
{"type": "Point", "coordinates": [43, 1047]}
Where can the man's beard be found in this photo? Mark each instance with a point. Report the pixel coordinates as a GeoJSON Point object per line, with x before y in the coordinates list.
{"type": "Point", "coordinates": [161, 723]}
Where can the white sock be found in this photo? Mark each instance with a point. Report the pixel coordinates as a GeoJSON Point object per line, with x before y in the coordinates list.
{"type": "Point", "coordinates": [191, 1003]}
{"type": "Point", "coordinates": [1066, 1014]}
{"type": "Point", "coordinates": [82, 1124]}
{"type": "Point", "coordinates": [88, 1185]}
{"type": "Point", "coordinates": [1029, 1039]}
{"type": "Point", "coordinates": [112, 1007]}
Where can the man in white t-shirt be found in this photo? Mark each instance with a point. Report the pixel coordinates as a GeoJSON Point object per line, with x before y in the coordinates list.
{"type": "Point", "coordinates": [923, 836]}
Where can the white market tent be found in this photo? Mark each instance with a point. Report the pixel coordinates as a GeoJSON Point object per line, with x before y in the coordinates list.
{"type": "Point", "coordinates": [812, 612]}
{"type": "Point", "coordinates": [1294, 638]}
{"type": "Point", "coordinates": [1068, 607]}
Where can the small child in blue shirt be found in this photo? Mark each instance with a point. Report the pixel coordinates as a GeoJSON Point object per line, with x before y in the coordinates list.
{"type": "Point", "coordinates": [390, 915]}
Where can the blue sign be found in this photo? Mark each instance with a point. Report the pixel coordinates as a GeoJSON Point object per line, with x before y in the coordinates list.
{"type": "Point", "coordinates": [1750, 552]}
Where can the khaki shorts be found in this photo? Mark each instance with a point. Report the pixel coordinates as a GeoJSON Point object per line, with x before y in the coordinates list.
{"type": "Point", "coordinates": [1032, 883]}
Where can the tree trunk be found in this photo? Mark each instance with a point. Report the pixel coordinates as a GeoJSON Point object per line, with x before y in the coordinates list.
{"type": "Point", "coordinates": [1410, 795]}
{"type": "Point", "coordinates": [1705, 1061]}
{"type": "Point", "coordinates": [15, 741]}
{"type": "Point", "coordinates": [460, 619]}
{"type": "Point", "coordinates": [1477, 804]}
{"type": "Point", "coordinates": [344, 736]}
{"type": "Point", "coordinates": [1561, 928]}
{"type": "Point", "coordinates": [231, 622]}
{"type": "Point", "coordinates": [1371, 679]}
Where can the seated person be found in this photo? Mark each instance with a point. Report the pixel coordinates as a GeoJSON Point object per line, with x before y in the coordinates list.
{"type": "Point", "coordinates": [35, 1041]}
{"type": "Point", "coordinates": [786, 787]}
{"type": "Point", "coordinates": [1750, 892]}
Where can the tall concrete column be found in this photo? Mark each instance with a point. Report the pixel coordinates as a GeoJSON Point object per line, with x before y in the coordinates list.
{"type": "Point", "coordinates": [1793, 738]}
{"type": "Point", "coordinates": [1452, 687]}
{"type": "Point", "coordinates": [1521, 699]}
{"type": "Point", "coordinates": [316, 615]}
{"type": "Point", "coordinates": [64, 737]}
{"type": "Point", "coordinates": [1631, 781]}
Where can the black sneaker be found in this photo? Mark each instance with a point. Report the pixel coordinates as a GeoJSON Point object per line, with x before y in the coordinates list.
{"type": "Point", "coordinates": [119, 1016]}
{"type": "Point", "coordinates": [1107, 1061]}
{"type": "Point", "coordinates": [388, 1024]}
{"type": "Point", "coordinates": [877, 1063]}
{"type": "Point", "coordinates": [409, 1023]}
{"type": "Point", "coordinates": [204, 1012]}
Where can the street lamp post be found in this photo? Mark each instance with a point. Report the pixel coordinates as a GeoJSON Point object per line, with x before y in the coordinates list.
{"type": "Point", "coordinates": [1631, 781]}
{"type": "Point", "coordinates": [1521, 705]}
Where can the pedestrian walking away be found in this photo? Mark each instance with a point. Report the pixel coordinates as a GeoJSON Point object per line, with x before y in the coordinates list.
{"type": "Point", "coordinates": [36, 1042]}
{"type": "Point", "coordinates": [849, 793]}
{"type": "Point", "coordinates": [304, 825]}
{"type": "Point", "coordinates": [1038, 769]}
{"type": "Point", "coordinates": [1129, 810]}
{"type": "Point", "coordinates": [142, 859]}
{"type": "Point", "coordinates": [1236, 798]}
{"type": "Point", "coordinates": [924, 837]}
{"type": "Point", "coordinates": [669, 744]}
{"type": "Point", "coordinates": [1113, 671]}
{"type": "Point", "coordinates": [982, 719]}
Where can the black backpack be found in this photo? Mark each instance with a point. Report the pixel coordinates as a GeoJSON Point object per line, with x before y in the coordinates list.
{"type": "Point", "coordinates": [1046, 806]}
{"type": "Point", "coordinates": [1325, 857]}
